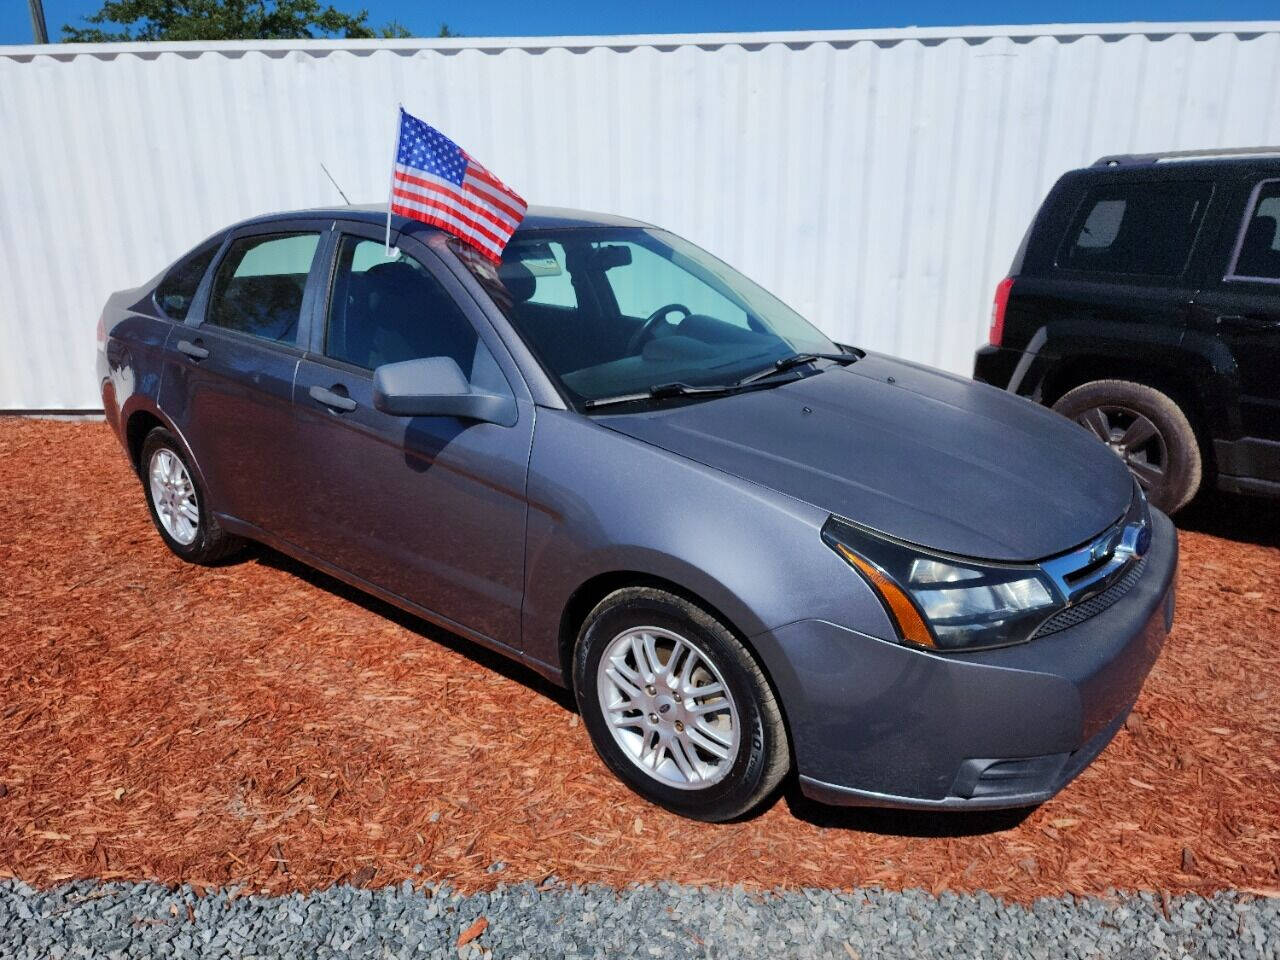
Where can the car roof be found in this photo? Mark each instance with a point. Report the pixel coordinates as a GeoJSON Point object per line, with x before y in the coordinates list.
{"type": "Point", "coordinates": [1229, 160]}
{"type": "Point", "coordinates": [536, 218]}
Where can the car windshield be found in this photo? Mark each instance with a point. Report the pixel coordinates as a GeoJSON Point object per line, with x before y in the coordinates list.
{"type": "Point", "coordinates": [617, 311]}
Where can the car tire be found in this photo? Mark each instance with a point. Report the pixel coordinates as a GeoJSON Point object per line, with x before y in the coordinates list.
{"type": "Point", "coordinates": [178, 504]}
{"type": "Point", "coordinates": [734, 744]}
{"type": "Point", "coordinates": [1168, 463]}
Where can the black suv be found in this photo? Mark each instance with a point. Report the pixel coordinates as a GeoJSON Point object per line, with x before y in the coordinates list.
{"type": "Point", "coordinates": [1144, 303]}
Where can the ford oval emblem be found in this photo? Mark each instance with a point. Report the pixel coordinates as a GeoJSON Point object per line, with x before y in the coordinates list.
{"type": "Point", "coordinates": [1136, 539]}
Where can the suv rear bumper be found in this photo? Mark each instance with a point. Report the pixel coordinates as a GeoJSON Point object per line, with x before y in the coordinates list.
{"type": "Point", "coordinates": [875, 723]}
{"type": "Point", "coordinates": [996, 365]}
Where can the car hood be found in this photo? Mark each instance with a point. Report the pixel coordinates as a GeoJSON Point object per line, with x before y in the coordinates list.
{"type": "Point", "coordinates": [930, 458]}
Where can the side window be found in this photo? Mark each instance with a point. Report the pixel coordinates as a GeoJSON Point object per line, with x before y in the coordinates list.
{"type": "Point", "coordinates": [387, 310]}
{"type": "Point", "coordinates": [650, 281]}
{"type": "Point", "coordinates": [1136, 228]}
{"type": "Point", "coordinates": [259, 284]}
{"type": "Point", "coordinates": [178, 288]}
{"type": "Point", "coordinates": [1259, 255]}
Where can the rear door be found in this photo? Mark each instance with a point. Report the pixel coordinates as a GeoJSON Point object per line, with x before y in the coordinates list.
{"type": "Point", "coordinates": [430, 509]}
{"type": "Point", "coordinates": [1242, 310]}
{"type": "Point", "coordinates": [229, 382]}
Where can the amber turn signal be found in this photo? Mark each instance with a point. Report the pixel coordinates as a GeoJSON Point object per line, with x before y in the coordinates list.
{"type": "Point", "coordinates": [910, 624]}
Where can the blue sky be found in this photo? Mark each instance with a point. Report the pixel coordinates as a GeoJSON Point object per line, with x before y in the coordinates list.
{"type": "Point", "coordinates": [553, 17]}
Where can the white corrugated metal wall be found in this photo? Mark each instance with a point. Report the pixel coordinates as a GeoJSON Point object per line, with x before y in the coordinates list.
{"type": "Point", "coordinates": [879, 181]}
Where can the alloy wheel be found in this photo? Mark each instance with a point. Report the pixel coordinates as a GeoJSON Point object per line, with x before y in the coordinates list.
{"type": "Point", "coordinates": [668, 707]}
{"type": "Point", "coordinates": [1133, 437]}
{"type": "Point", "coordinates": [174, 496]}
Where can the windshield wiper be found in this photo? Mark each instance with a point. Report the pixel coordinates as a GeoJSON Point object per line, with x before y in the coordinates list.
{"type": "Point", "coordinates": [799, 359]}
{"type": "Point", "coordinates": [679, 389]}
{"type": "Point", "coordinates": [659, 391]}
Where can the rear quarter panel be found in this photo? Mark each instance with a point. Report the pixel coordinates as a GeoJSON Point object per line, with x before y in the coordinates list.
{"type": "Point", "coordinates": [130, 356]}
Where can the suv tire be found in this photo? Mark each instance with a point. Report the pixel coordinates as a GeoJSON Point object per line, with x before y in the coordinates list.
{"type": "Point", "coordinates": [179, 505]}
{"type": "Point", "coordinates": [621, 696]}
{"type": "Point", "coordinates": [1166, 459]}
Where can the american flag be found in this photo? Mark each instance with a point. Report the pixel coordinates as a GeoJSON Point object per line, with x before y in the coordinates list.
{"type": "Point", "coordinates": [437, 182]}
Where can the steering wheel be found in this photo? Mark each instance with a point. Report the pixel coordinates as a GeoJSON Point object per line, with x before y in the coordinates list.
{"type": "Point", "coordinates": [645, 333]}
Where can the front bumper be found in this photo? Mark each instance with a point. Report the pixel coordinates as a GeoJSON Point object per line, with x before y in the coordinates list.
{"type": "Point", "coordinates": [879, 724]}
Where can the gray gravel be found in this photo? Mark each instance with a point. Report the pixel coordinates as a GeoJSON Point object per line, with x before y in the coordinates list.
{"type": "Point", "coordinates": [88, 919]}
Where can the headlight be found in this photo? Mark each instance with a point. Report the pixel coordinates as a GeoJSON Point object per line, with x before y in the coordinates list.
{"type": "Point", "coordinates": [947, 603]}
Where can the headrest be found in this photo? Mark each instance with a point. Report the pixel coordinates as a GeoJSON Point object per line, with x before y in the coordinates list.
{"type": "Point", "coordinates": [1261, 235]}
{"type": "Point", "coordinates": [395, 271]}
{"type": "Point", "coordinates": [518, 279]}
{"type": "Point", "coordinates": [395, 286]}
{"type": "Point", "coordinates": [1257, 253]}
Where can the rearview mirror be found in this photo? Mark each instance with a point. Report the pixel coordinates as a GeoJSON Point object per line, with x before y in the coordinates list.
{"type": "Point", "coordinates": [612, 255]}
{"type": "Point", "coordinates": [435, 387]}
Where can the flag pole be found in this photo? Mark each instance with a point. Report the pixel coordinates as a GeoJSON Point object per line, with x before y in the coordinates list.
{"type": "Point", "coordinates": [389, 253]}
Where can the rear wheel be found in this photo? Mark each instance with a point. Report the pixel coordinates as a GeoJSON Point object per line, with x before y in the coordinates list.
{"type": "Point", "coordinates": [1147, 430]}
{"type": "Point", "coordinates": [179, 508]}
{"type": "Point", "coordinates": [677, 707]}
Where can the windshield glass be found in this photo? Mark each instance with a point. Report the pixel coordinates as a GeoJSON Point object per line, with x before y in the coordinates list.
{"type": "Point", "coordinates": [611, 311]}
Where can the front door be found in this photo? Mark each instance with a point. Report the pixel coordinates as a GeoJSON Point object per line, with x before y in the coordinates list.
{"type": "Point", "coordinates": [431, 509]}
{"type": "Point", "coordinates": [228, 382]}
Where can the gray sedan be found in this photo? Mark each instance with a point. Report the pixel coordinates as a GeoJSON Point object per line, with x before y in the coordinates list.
{"type": "Point", "coordinates": [747, 549]}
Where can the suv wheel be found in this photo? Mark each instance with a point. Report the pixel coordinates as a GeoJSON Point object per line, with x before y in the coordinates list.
{"type": "Point", "coordinates": [179, 507]}
{"type": "Point", "coordinates": [677, 707]}
{"type": "Point", "coordinates": [1147, 430]}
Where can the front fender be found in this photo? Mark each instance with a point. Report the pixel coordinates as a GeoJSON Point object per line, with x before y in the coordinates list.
{"type": "Point", "coordinates": [603, 503]}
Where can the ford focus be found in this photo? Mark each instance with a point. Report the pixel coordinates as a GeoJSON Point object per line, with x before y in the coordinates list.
{"type": "Point", "coordinates": [748, 550]}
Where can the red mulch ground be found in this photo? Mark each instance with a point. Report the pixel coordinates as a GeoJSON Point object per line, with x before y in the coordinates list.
{"type": "Point", "coordinates": [262, 725]}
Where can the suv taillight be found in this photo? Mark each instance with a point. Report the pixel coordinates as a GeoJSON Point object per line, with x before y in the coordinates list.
{"type": "Point", "coordinates": [998, 306]}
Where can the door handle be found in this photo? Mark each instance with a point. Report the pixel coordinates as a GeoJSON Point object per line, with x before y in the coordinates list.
{"type": "Point", "coordinates": [194, 351]}
{"type": "Point", "coordinates": [334, 401]}
{"type": "Point", "coordinates": [1244, 322]}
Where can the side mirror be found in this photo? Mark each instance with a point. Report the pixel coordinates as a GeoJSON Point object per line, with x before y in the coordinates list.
{"type": "Point", "coordinates": [435, 387]}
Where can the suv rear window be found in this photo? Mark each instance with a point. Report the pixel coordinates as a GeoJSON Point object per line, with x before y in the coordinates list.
{"type": "Point", "coordinates": [1137, 228]}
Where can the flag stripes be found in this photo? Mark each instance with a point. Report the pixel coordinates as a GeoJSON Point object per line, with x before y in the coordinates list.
{"type": "Point", "coordinates": [436, 181]}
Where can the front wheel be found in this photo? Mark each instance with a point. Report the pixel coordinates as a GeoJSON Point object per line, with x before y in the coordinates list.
{"type": "Point", "coordinates": [677, 707]}
{"type": "Point", "coordinates": [1147, 430]}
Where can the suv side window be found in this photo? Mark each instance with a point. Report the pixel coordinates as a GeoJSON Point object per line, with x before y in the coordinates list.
{"type": "Point", "coordinates": [1258, 253]}
{"type": "Point", "coordinates": [1136, 228]}
{"type": "Point", "coordinates": [388, 310]}
{"type": "Point", "coordinates": [259, 284]}
{"type": "Point", "coordinates": [178, 288]}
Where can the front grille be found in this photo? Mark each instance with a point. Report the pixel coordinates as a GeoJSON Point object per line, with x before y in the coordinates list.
{"type": "Point", "coordinates": [1080, 612]}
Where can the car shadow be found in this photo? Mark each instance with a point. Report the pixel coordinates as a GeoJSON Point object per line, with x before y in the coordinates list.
{"type": "Point", "coordinates": [901, 823]}
{"type": "Point", "coordinates": [480, 655]}
{"type": "Point", "coordinates": [1233, 517]}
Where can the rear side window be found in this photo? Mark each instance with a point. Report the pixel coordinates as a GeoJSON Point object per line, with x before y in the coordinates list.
{"type": "Point", "coordinates": [178, 288]}
{"type": "Point", "coordinates": [1136, 228]}
{"type": "Point", "coordinates": [1258, 254]}
{"type": "Point", "coordinates": [259, 284]}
